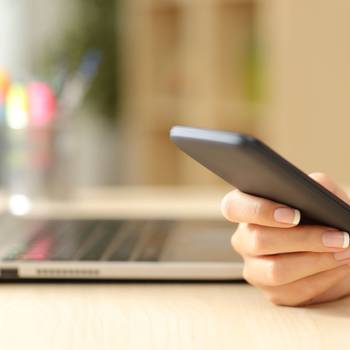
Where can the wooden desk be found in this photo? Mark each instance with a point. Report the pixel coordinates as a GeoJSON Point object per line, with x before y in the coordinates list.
{"type": "Point", "coordinates": [152, 316]}
{"type": "Point", "coordinates": [161, 316]}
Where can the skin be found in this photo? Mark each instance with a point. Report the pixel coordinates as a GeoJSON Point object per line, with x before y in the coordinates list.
{"type": "Point", "coordinates": [288, 263]}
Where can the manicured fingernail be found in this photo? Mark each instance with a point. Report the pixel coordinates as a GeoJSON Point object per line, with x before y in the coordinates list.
{"type": "Point", "coordinates": [335, 239]}
{"type": "Point", "coordinates": [342, 255]}
{"type": "Point", "coordinates": [287, 216]}
{"type": "Point", "coordinates": [225, 206]}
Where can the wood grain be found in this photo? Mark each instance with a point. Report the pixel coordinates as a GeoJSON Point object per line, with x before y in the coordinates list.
{"type": "Point", "coordinates": [170, 316]}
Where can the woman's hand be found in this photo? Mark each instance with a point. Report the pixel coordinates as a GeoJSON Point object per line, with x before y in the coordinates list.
{"type": "Point", "coordinates": [292, 264]}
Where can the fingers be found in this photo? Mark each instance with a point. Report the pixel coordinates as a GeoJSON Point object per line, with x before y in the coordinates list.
{"type": "Point", "coordinates": [340, 290]}
{"type": "Point", "coordinates": [309, 290]}
{"type": "Point", "coordinates": [330, 185]}
{"type": "Point", "coordinates": [293, 265]}
{"type": "Point", "coordinates": [277, 270]}
{"type": "Point", "coordinates": [255, 240]}
{"type": "Point", "coordinates": [241, 207]}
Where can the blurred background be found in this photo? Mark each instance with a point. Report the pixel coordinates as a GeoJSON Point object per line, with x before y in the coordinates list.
{"type": "Point", "coordinates": [108, 78]}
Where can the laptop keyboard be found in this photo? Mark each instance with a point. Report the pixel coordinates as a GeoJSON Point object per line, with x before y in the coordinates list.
{"type": "Point", "coordinates": [24, 239]}
{"type": "Point", "coordinates": [82, 240]}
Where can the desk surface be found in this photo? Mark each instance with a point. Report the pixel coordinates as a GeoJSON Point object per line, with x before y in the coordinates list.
{"type": "Point", "coordinates": [159, 316]}
{"type": "Point", "coordinates": [129, 316]}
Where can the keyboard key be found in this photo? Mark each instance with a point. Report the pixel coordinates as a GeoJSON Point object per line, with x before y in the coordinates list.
{"type": "Point", "coordinates": [122, 246]}
{"type": "Point", "coordinates": [155, 241]}
{"type": "Point", "coordinates": [70, 236]}
{"type": "Point", "coordinates": [106, 233]}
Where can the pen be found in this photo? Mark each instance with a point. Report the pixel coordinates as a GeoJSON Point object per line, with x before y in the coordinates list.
{"type": "Point", "coordinates": [60, 78]}
{"type": "Point", "coordinates": [42, 104]}
{"type": "Point", "coordinates": [4, 85]}
{"type": "Point", "coordinates": [16, 110]}
{"type": "Point", "coordinates": [75, 89]}
{"type": "Point", "coordinates": [15, 170]}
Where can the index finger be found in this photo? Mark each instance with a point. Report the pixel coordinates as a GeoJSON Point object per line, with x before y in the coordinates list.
{"type": "Point", "coordinates": [244, 208]}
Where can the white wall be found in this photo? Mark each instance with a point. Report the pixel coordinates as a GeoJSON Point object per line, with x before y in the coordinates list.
{"type": "Point", "coordinates": [15, 36]}
{"type": "Point", "coordinates": [26, 26]}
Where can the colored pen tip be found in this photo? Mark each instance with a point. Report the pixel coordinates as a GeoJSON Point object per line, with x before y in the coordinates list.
{"type": "Point", "coordinates": [4, 81]}
{"type": "Point", "coordinates": [42, 104]}
{"type": "Point", "coordinates": [17, 107]}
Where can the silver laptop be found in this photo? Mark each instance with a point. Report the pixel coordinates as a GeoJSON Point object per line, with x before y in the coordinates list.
{"type": "Point", "coordinates": [131, 249]}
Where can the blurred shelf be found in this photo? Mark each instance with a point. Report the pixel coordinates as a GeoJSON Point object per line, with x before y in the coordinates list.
{"type": "Point", "coordinates": [171, 110]}
{"type": "Point", "coordinates": [236, 2]}
{"type": "Point", "coordinates": [165, 3]}
{"type": "Point", "coordinates": [193, 65]}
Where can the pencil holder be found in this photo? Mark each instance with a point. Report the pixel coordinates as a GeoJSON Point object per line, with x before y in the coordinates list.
{"type": "Point", "coordinates": [37, 162]}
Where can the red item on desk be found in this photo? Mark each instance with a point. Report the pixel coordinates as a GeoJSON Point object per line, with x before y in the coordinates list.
{"type": "Point", "coordinates": [42, 105]}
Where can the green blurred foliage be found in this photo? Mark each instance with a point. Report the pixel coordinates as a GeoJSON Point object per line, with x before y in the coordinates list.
{"type": "Point", "coordinates": [95, 27]}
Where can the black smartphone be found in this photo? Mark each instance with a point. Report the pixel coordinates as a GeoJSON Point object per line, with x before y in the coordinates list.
{"type": "Point", "coordinates": [254, 168]}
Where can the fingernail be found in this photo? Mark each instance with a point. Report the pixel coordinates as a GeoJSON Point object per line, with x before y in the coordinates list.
{"type": "Point", "coordinates": [287, 216]}
{"type": "Point", "coordinates": [225, 206]}
{"type": "Point", "coordinates": [335, 239]}
{"type": "Point", "coordinates": [342, 255]}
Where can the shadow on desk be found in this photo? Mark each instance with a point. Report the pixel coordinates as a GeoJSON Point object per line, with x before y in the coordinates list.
{"type": "Point", "coordinates": [336, 309]}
